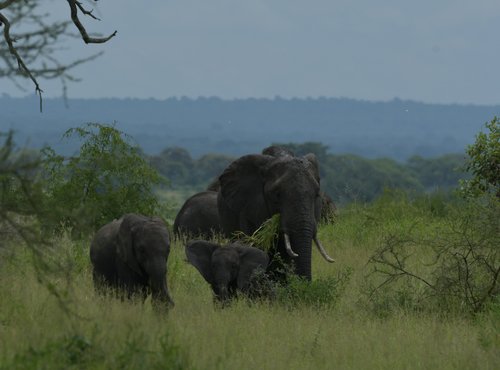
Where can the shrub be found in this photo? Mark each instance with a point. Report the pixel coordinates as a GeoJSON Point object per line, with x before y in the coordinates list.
{"type": "Point", "coordinates": [20, 194]}
{"type": "Point", "coordinates": [322, 293]}
{"type": "Point", "coordinates": [106, 179]}
{"type": "Point", "coordinates": [484, 163]}
{"type": "Point", "coordinates": [454, 268]}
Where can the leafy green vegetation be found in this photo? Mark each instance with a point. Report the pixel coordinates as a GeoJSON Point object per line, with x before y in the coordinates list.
{"type": "Point", "coordinates": [345, 178]}
{"type": "Point", "coordinates": [332, 321]}
{"type": "Point", "coordinates": [265, 236]}
{"type": "Point", "coordinates": [107, 178]}
{"type": "Point", "coordinates": [415, 284]}
{"type": "Point", "coordinates": [484, 162]}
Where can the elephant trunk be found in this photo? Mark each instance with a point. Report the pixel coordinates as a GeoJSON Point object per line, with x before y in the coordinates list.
{"type": "Point", "coordinates": [298, 233]}
{"type": "Point", "coordinates": [302, 244]}
{"type": "Point", "coordinates": [222, 292]}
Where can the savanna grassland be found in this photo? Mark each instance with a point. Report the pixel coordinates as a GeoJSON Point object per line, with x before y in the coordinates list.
{"type": "Point", "coordinates": [51, 318]}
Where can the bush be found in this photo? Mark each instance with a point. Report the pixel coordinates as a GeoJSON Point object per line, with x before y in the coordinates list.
{"type": "Point", "coordinates": [455, 267]}
{"type": "Point", "coordinates": [484, 163]}
{"type": "Point", "coordinates": [323, 293]}
{"type": "Point", "coordinates": [80, 352]}
{"type": "Point", "coordinates": [106, 179]}
{"type": "Point", "coordinates": [21, 195]}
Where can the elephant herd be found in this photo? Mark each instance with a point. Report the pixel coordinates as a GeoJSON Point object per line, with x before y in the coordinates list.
{"type": "Point", "coordinates": [131, 253]}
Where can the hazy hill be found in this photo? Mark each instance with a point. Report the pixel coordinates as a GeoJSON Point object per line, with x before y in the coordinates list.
{"type": "Point", "coordinates": [396, 129]}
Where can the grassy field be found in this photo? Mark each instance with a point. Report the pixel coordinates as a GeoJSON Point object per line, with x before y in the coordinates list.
{"type": "Point", "coordinates": [81, 330]}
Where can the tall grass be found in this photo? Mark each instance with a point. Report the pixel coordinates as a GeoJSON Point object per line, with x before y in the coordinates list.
{"type": "Point", "coordinates": [106, 333]}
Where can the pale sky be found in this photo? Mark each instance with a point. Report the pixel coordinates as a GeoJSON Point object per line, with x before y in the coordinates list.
{"type": "Point", "coordinates": [439, 51]}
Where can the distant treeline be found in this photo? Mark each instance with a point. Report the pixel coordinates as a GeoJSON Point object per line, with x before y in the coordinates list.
{"type": "Point", "coordinates": [345, 178]}
{"type": "Point", "coordinates": [395, 129]}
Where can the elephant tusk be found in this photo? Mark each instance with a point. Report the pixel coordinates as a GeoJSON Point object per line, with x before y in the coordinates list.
{"type": "Point", "coordinates": [322, 250]}
{"type": "Point", "coordinates": [289, 249]}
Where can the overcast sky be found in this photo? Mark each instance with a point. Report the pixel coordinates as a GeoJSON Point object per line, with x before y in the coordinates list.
{"type": "Point", "coordinates": [441, 51]}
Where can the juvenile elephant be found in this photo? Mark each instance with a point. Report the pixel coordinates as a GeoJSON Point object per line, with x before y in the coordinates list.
{"type": "Point", "coordinates": [228, 269]}
{"type": "Point", "coordinates": [199, 216]}
{"type": "Point", "coordinates": [255, 187]}
{"type": "Point", "coordinates": [130, 254]}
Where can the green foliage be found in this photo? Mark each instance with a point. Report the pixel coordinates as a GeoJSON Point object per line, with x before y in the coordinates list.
{"type": "Point", "coordinates": [265, 236]}
{"type": "Point", "coordinates": [309, 319]}
{"type": "Point", "coordinates": [21, 194]}
{"type": "Point", "coordinates": [177, 165]}
{"type": "Point", "coordinates": [80, 352]}
{"type": "Point", "coordinates": [210, 166]}
{"type": "Point", "coordinates": [351, 178]}
{"type": "Point", "coordinates": [345, 178]}
{"type": "Point", "coordinates": [322, 293]}
{"type": "Point", "coordinates": [452, 267]}
{"type": "Point", "coordinates": [74, 351]}
{"type": "Point", "coordinates": [484, 162]}
{"type": "Point", "coordinates": [441, 173]}
{"type": "Point", "coordinates": [106, 179]}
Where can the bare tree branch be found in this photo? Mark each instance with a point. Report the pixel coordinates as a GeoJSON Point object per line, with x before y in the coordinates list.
{"type": "Point", "coordinates": [33, 54]}
{"type": "Point", "coordinates": [5, 4]}
{"type": "Point", "coordinates": [22, 67]}
{"type": "Point", "coordinates": [74, 5]}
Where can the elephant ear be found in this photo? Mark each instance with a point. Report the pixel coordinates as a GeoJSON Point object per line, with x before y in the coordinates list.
{"type": "Point", "coordinates": [199, 254]}
{"type": "Point", "coordinates": [250, 260]}
{"type": "Point", "coordinates": [130, 223]}
{"type": "Point", "coordinates": [313, 165]}
{"type": "Point", "coordinates": [241, 182]}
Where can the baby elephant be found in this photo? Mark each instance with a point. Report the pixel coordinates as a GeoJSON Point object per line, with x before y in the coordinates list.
{"type": "Point", "coordinates": [228, 268]}
{"type": "Point", "coordinates": [130, 254]}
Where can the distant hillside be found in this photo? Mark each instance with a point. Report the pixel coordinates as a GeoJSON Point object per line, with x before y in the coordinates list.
{"type": "Point", "coordinates": [396, 129]}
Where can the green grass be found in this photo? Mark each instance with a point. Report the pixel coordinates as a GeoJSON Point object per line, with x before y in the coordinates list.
{"type": "Point", "coordinates": [105, 333]}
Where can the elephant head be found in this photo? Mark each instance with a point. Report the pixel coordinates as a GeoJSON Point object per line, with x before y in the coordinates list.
{"type": "Point", "coordinates": [143, 246]}
{"type": "Point", "coordinates": [255, 187]}
{"type": "Point", "coordinates": [227, 269]}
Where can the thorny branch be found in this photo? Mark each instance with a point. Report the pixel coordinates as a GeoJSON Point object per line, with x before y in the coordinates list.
{"type": "Point", "coordinates": [20, 213]}
{"type": "Point", "coordinates": [39, 45]}
{"type": "Point", "coordinates": [74, 6]}
{"type": "Point", "coordinates": [465, 254]}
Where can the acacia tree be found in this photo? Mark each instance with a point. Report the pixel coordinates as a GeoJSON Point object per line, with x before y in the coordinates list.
{"type": "Point", "coordinates": [484, 162]}
{"type": "Point", "coordinates": [29, 51]}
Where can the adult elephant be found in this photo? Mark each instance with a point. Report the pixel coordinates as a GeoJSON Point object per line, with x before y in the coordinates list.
{"type": "Point", "coordinates": [255, 187]}
{"type": "Point", "coordinates": [199, 216]}
{"type": "Point", "coordinates": [130, 255]}
{"type": "Point", "coordinates": [328, 208]}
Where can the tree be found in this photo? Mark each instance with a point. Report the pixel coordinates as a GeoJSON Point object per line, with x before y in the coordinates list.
{"type": "Point", "coordinates": [174, 163]}
{"type": "Point", "coordinates": [30, 53]}
{"type": "Point", "coordinates": [441, 173]}
{"type": "Point", "coordinates": [20, 195]}
{"type": "Point", "coordinates": [484, 162]}
{"type": "Point", "coordinates": [106, 179]}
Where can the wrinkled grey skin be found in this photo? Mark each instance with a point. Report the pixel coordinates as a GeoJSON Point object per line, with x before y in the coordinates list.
{"type": "Point", "coordinates": [130, 255]}
{"type": "Point", "coordinates": [228, 269]}
{"type": "Point", "coordinates": [255, 187]}
{"type": "Point", "coordinates": [328, 208]}
{"type": "Point", "coordinates": [199, 217]}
